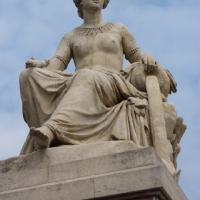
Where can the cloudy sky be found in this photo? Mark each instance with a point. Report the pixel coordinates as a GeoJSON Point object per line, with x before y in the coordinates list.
{"type": "Point", "coordinates": [167, 28]}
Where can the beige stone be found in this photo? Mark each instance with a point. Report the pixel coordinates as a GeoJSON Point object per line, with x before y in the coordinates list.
{"type": "Point", "coordinates": [86, 172]}
{"type": "Point", "coordinates": [101, 101]}
{"type": "Point", "coordinates": [157, 120]}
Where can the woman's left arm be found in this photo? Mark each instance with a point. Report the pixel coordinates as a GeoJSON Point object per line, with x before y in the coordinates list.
{"type": "Point", "coordinates": [132, 52]}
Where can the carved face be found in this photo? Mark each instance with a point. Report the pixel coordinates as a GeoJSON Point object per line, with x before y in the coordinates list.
{"type": "Point", "coordinates": [92, 4]}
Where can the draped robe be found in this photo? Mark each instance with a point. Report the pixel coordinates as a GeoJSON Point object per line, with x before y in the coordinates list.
{"type": "Point", "coordinates": [84, 107]}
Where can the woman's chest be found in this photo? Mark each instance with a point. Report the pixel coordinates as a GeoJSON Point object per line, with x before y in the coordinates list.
{"type": "Point", "coordinates": [83, 45]}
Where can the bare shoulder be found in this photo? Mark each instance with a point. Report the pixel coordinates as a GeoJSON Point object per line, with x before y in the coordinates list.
{"type": "Point", "coordinates": [68, 36]}
{"type": "Point", "coordinates": [121, 28]}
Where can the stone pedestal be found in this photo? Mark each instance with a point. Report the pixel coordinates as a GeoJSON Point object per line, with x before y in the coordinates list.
{"type": "Point", "coordinates": [109, 170]}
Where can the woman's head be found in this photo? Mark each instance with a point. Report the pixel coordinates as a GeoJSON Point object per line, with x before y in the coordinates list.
{"type": "Point", "coordinates": [79, 4]}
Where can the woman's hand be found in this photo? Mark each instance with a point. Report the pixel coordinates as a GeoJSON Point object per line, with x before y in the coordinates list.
{"type": "Point", "coordinates": [150, 62]}
{"type": "Point", "coordinates": [32, 62]}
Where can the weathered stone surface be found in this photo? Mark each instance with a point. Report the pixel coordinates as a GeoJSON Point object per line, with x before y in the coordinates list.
{"type": "Point", "coordinates": [101, 101]}
{"type": "Point", "coordinates": [85, 172]}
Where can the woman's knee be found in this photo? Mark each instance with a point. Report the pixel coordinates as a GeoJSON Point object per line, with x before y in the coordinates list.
{"type": "Point", "coordinates": [25, 74]}
{"type": "Point", "coordinates": [138, 75]}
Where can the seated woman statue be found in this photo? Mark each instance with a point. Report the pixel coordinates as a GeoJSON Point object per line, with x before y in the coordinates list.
{"type": "Point", "coordinates": [99, 102]}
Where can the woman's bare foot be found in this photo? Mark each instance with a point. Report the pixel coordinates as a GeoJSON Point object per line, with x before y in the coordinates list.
{"type": "Point", "coordinates": [42, 136]}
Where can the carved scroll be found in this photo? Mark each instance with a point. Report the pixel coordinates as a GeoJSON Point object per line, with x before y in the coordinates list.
{"type": "Point", "coordinates": [157, 122]}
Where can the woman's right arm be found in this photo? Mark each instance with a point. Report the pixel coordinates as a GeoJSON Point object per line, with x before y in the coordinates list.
{"type": "Point", "coordinates": [59, 61]}
{"type": "Point", "coordinates": [62, 56]}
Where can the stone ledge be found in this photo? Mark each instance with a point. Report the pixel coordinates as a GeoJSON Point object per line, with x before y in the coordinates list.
{"type": "Point", "coordinates": [152, 194]}
{"type": "Point", "coordinates": [86, 172]}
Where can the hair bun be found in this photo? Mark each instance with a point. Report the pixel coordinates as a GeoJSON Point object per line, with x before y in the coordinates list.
{"type": "Point", "coordinates": [80, 12]}
{"type": "Point", "coordinates": [77, 3]}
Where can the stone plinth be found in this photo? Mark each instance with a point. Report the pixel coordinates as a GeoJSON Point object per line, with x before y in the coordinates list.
{"type": "Point", "coordinates": [109, 170]}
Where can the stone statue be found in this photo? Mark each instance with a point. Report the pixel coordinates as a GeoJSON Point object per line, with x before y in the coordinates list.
{"type": "Point", "coordinates": [101, 101]}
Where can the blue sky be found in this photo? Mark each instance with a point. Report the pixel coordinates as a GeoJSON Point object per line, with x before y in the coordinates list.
{"type": "Point", "coordinates": [167, 28]}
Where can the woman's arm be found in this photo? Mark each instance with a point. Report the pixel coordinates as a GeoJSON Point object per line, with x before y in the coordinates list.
{"type": "Point", "coordinates": [132, 52]}
{"type": "Point", "coordinates": [62, 55]}
{"type": "Point", "coordinates": [59, 61]}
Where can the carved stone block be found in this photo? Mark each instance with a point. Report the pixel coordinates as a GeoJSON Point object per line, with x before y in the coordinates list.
{"type": "Point", "coordinates": [108, 170]}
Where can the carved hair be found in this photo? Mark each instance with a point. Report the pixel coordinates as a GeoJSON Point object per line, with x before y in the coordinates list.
{"type": "Point", "coordinates": [79, 6]}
